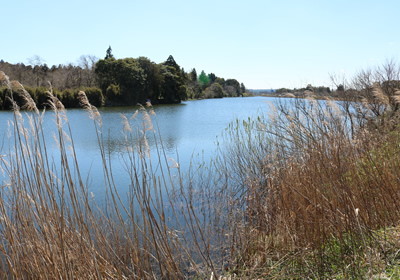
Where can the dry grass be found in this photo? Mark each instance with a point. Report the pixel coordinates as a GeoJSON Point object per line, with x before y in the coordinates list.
{"type": "Point", "coordinates": [327, 180]}
{"type": "Point", "coordinates": [52, 228]}
{"type": "Point", "coordinates": [309, 191]}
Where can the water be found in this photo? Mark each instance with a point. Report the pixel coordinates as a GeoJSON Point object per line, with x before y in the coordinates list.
{"type": "Point", "coordinates": [187, 129]}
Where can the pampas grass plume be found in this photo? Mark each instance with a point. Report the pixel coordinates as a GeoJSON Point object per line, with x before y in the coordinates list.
{"type": "Point", "coordinates": [379, 95]}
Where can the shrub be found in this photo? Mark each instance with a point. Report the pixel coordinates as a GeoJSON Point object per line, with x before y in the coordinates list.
{"type": "Point", "coordinates": [69, 98]}
{"type": "Point", "coordinates": [113, 92]}
{"type": "Point", "coordinates": [95, 96]}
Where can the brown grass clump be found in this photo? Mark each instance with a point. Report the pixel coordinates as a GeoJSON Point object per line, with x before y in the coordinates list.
{"type": "Point", "coordinates": [326, 181]}
{"type": "Point", "coordinates": [51, 227]}
{"type": "Point", "coordinates": [309, 191]}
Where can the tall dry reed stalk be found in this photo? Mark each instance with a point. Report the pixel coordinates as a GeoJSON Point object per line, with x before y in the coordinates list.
{"type": "Point", "coordinates": [52, 228]}
{"type": "Point", "coordinates": [326, 180]}
{"type": "Point", "coordinates": [309, 191]}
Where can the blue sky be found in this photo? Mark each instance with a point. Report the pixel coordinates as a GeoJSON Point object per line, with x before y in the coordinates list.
{"type": "Point", "coordinates": [264, 44]}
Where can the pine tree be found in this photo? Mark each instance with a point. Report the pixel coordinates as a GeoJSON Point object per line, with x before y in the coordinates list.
{"type": "Point", "coordinates": [109, 53]}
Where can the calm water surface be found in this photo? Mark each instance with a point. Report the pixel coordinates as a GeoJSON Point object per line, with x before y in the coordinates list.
{"type": "Point", "coordinates": [187, 129]}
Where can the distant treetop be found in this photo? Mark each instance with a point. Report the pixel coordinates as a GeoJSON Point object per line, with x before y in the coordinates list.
{"type": "Point", "coordinates": [109, 53]}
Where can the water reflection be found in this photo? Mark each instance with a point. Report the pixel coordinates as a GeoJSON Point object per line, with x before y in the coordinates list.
{"type": "Point", "coordinates": [185, 129]}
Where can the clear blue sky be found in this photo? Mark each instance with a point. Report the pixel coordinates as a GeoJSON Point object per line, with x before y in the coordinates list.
{"type": "Point", "coordinates": [264, 44]}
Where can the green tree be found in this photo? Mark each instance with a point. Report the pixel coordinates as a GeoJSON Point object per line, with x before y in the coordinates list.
{"type": "Point", "coordinates": [173, 85]}
{"type": "Point", "coordinates": [193, 75]}
{"type": "Point", "coordinates": [220, 81]}
{"type": "Point", "coordinates": [184, 74]}
{"type": "Point", "coordinates": [340, 88]}
{"type": "Point", "coordinates": [212, 78]}
{"type": "Point", "coordinates": [192, 84]}
{"type": "Point", "coordinates": [235, 84]}
{"type": "Point", "coordinates": [214, 91]}
{"type": "Point", "coordinates": [109, 53]}
{"type": "Point", "coordinates": [105, 75]}
{"type": "Point", "coordinates": [203, 79]}
{"type": "Point", "coordinates": [242, 88]}
{"type": "Point", "coordinates": [153, 79]}
{"type": "Point", "coordinates": [171, 62]}
{"type": "Point", "coordinates": [131, 79]}
{"type": "Point", "coordinates": [125, 73]}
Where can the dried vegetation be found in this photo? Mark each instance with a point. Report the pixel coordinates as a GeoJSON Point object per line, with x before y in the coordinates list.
{"type": "Point", "coordinates": [310, 190]}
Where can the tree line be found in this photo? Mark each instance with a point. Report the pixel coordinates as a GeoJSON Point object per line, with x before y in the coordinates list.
{"type": "Point", "coordinates": [115, 82]}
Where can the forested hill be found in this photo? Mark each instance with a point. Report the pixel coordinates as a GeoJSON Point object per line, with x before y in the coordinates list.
{"type": "Point", "coordinates": [114, 82]}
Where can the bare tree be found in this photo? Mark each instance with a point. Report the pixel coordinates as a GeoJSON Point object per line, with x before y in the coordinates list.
{"type": "Point", "coordinates": [371, 99]}
{"type": "Point", "coordinates": [87, 63]}
{"type": "Point", "coordinates": [36, 61]}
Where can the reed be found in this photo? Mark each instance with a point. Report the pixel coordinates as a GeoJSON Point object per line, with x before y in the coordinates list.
{"type": "Point", "coordinates": [310, 190]}
{"type": "Point", "coordinates": [321, 194]}
{"type": "Point", "coordinates": [51, 227]}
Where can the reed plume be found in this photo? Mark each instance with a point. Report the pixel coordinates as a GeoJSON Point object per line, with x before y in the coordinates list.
{"type": "Point", "coordinates": [379, 95]}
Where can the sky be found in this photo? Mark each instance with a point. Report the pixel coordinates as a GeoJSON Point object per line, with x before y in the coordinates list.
{"type": "Point", "coordinates": [263, 44]}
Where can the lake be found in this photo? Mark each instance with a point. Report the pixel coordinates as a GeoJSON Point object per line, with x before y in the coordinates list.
{"type": "Point", "coordinates": [189, 129]}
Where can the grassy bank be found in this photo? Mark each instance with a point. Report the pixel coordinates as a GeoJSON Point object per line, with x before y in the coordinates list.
{"type": "Point", "coordinates": [320, 181]}
{"type": "Point", "coordinates": [310, 190]}
{"type": "Point", "coordinates": [323, 202]}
